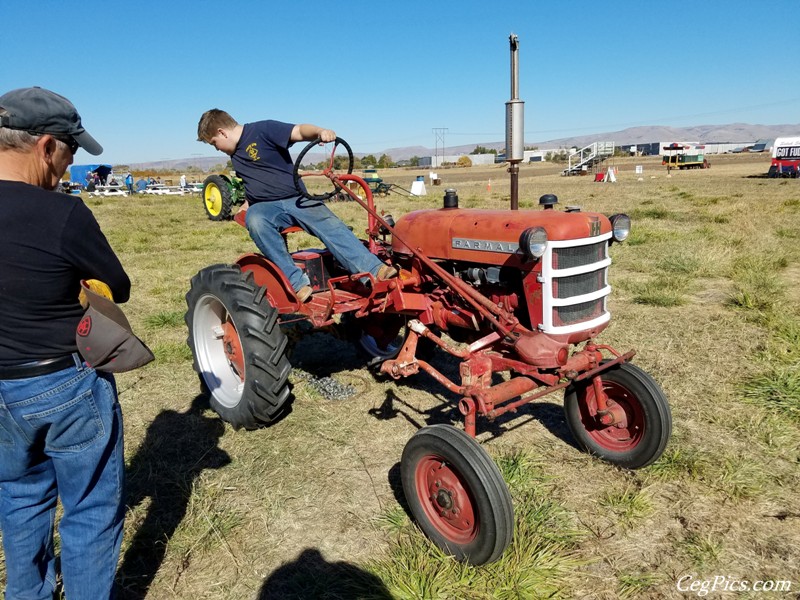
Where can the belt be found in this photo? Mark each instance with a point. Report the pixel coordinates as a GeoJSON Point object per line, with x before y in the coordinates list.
{"type": "Point", "coordinates": [35, 369]}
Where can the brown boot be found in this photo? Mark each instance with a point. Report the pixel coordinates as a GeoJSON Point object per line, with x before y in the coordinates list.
{"type": "Point", "coordinates": [304, 293]}
{"type": "Point", "coordinates": [386, 272]}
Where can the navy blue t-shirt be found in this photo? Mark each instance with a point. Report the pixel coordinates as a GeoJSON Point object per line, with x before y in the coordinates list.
{"type": "Point", "coordinates": [263, 161]}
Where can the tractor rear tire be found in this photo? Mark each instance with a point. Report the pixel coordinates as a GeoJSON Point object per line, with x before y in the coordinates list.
{"type": "Point", "coordinates": [217, 198]}
{"type": "Point", "coordinates": [457, 494]}
{"type": "Point", "coordinates": [239, 349]}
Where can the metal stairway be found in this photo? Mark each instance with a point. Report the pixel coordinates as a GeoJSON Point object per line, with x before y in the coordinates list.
{"type": "Point", "coordinates": [581, 161]}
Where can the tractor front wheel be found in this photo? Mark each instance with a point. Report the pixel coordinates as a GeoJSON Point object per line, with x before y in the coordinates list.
{"type": "Point", "coordinates": [239, 348]}
{"type": "Point", "coordinates": [456, 494]}
{"type": "Point", "coordinates": [217, 198]}
{"type": "Point", "coordinates": [641, 422]}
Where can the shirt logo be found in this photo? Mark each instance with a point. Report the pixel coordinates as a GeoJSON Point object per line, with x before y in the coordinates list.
{"type": "Point", "coordinates": [252, 152]}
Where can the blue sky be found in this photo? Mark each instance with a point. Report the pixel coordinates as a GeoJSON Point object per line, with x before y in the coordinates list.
{"type": "Point", "coordinates": [385, 74]}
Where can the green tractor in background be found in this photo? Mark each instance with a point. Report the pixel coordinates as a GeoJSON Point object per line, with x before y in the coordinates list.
{"type": "Point", "coordinates": [220, 194]}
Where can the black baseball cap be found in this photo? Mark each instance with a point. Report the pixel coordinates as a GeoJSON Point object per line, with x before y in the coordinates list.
{"type": "Point", "coordinates": [39, 111]}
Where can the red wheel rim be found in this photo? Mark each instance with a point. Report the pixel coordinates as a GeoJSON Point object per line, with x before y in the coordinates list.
{"type": "Point", "coordinates": [624, 435]}
{"type": "Point", "coordinates": [233, 348]}
{"type": "Point", "coordinates": [445, 500]}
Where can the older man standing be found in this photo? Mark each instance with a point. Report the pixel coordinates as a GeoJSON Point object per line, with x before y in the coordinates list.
{"type": "Point", "coordinates": [60, 421]}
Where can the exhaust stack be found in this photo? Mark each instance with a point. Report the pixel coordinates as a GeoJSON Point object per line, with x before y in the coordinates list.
{"type": "Point", "coordinates": [515, 124]}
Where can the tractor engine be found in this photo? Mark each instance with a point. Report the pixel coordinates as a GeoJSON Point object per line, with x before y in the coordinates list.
{"type": "Point", "coordinates": [547, 267]}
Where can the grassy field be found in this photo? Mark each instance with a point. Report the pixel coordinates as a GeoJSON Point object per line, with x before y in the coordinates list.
{"type": "Point", "coordinates": [706, 290]}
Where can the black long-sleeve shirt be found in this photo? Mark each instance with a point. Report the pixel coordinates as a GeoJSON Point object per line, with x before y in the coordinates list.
{"type": "Point", "coordinates": [48, 243]}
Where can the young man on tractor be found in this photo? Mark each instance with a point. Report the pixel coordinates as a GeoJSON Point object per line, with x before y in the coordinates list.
{"type": "Point", "coordinates": [259, 153]}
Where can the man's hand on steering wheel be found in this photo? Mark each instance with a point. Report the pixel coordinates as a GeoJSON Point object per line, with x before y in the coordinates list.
{"type": "Point", "coordinates": [327, 135]}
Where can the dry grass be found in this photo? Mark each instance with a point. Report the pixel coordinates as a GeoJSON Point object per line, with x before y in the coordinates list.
{"type": "Point", "coordinates": [706, 291]}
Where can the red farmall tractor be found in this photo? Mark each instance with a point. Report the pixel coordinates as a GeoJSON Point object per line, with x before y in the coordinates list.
{"type": "Point", "coordinates": [518, 296]}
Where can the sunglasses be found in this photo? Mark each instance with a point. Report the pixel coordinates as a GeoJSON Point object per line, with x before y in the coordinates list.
{"type": "Point", "coordinates": [70, 142]}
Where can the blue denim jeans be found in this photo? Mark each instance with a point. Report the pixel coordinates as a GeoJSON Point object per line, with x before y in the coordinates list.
{"type": "Point", "coordinates": [265, 220]}
{"type": "Point", "coordinates": [61, 437]}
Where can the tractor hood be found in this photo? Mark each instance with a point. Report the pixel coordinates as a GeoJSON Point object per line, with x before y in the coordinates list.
{"type": "Point", "coordinates": [488, 236]}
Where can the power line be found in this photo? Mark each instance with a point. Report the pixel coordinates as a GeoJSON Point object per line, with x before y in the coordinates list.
{"type": "Point", "coordinates": [439, 132]}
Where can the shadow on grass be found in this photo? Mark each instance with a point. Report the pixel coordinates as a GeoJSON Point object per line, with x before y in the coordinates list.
{"type": "Point", "coordinates": [395, 479]}
{"type": "Point", "coordinates": [550, 415]}
{"type": "Point", "coordinates": [177, 448]}
{"type": "Point", "coordinates": [313, 355]}
{"type": "Point", "coordinates": [311, 576]}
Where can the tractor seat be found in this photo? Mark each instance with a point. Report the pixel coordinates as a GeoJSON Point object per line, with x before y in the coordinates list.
{"type": "Point", "coordinates": [239, 218]}
{"type": "Point", "coordinates": [292, 229]}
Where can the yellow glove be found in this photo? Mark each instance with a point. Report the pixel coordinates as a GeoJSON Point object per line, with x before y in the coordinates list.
{"type": "Point", "coordinates": [99, 288]}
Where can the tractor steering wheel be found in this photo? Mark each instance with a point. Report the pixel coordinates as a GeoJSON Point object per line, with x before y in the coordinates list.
{"type": "Point", "coordinates": [327, 172]}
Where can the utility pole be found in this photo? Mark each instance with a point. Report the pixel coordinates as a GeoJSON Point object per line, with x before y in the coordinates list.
{"type": "Point", "coordinates": [439, 132]}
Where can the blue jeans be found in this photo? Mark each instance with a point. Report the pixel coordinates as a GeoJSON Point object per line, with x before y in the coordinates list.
{"type": "Point", "coordinates": [61, 436]}
{"type": "Point", "coordinates": [265, 220]}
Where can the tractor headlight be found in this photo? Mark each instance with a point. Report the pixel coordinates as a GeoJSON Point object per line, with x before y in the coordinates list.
{"type": "Point", "coordinates": [533, 242]}
{"type": "Point", "coordinates": [620, 227]}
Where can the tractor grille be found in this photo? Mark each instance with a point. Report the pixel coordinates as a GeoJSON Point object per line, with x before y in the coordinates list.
{"type": "Point", "coordinates": [577, 313]}
{"type": "Point", "coordinates": [575, 284]}
{"type": "Point", "coordinates": [578, 256]}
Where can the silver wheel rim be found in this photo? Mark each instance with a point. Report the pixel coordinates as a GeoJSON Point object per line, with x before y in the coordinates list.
{"type": "Point", "coordinates": [216, 370]}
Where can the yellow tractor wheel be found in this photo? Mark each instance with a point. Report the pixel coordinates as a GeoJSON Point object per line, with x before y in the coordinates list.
{"type": "Point", "coordinates": [217, 198]}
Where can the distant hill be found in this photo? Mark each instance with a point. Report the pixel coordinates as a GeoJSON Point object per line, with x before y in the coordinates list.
{"type": "Point", "coordinates": [204, 163]}
{"type": "Point", "coordinates": [743, 133]}
{"type": "Point", "coordinates": [732, 133]}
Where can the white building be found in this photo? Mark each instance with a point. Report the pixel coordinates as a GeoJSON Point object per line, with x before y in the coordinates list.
{"type": "Point", "coordinates": [434, 162]}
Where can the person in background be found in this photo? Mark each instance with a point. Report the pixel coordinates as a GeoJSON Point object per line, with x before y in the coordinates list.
{"type": "Point", "coordinates": [60, 422]}
{"type": "Point", "coordinates": [259, 153]}
{"type": "Point", "coordinates": [183, 182]}
{"type": "Point", "coordinates": [129, 183]}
